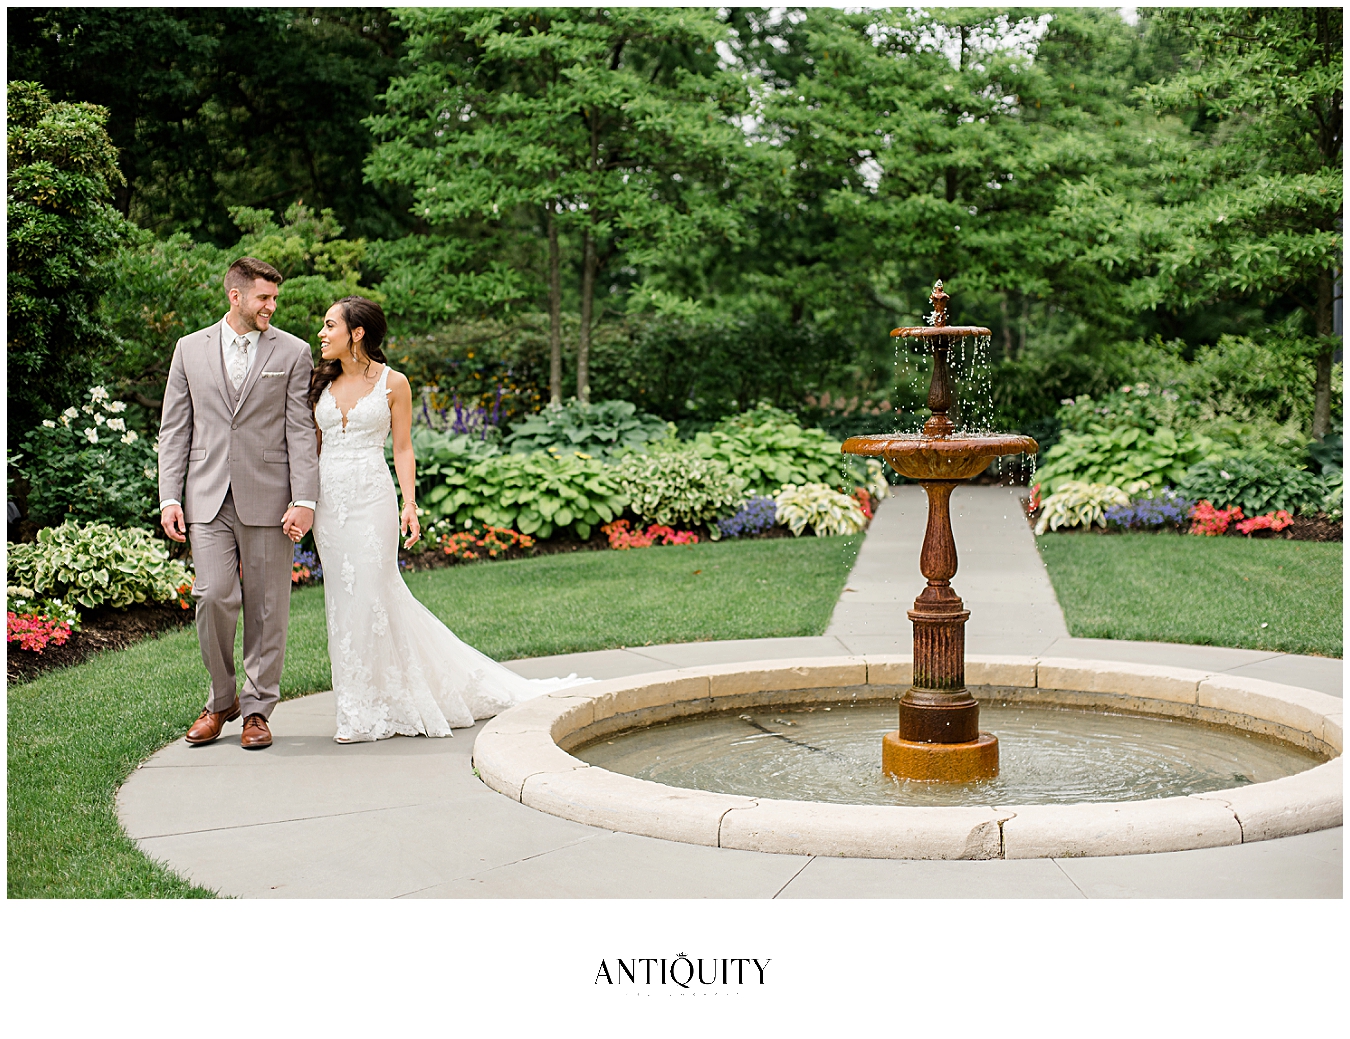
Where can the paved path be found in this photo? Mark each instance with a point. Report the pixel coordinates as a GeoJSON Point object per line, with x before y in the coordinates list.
{"type": "Point", "coordinates": [407, 818]}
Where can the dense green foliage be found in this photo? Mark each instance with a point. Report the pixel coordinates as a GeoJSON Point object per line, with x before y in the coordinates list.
{"type": "Point", "coordinates": [1121, 456]}
{"type": "Point", "coordinates": [224, 106]}
{"type": "Point", "coordinates": [696, 210]}
{"type": "Point", "coordinates": [95, 565]}
{"type": "Point", "coordinates": [536, 494]}
{"type": "Point", "coordinates": [1272, 595]}
{"type": "Point", "coordinates": [62, 230]}
{"type": "Point", "coordinates": [1256, 483]}
{"type": "Point", "coordinates": [608, 428]}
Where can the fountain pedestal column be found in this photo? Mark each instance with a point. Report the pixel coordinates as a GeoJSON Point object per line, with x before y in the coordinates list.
{"type": "Point", "coordinates": [939, 735]}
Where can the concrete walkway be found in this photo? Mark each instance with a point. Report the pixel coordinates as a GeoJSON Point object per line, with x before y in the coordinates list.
{"type": "Point", "coordinates": [407, 817]}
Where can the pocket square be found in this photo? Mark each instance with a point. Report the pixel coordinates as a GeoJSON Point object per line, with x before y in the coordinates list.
{"type": "Point", "coordinates": [266, 375]}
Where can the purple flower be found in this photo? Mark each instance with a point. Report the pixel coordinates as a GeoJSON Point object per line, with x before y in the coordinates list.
{"type": "Point", "coordinates": [754, 517]}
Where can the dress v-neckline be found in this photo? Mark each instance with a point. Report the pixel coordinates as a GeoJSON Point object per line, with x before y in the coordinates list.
{"type": "Point", "coordinates": [343, 414]}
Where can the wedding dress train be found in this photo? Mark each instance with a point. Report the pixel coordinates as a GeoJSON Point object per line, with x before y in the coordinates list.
{"type": "Point", "coordinates": [397, 670]}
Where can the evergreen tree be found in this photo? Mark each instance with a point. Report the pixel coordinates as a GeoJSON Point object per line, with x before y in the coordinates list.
{"type": "Point", "coordinates": [62, 231]}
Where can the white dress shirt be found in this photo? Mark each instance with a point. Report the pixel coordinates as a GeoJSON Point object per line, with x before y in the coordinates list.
{"type": "Point", "coordinates": [227, 346]}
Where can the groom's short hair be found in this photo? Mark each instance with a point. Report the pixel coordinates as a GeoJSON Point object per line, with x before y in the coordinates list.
{"type": "Point", "coordinates": [246, 269]}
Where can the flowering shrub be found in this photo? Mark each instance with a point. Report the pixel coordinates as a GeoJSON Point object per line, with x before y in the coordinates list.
{"type": "Point", "coordinates": [1270, 521]}
{"type": "Point", "coordinates": [87, 465]}
{"type": "Point", "coordinates": [621, 537]}
{"type": "Point", "coordinates": [305, 567]}
{"type": "Point", "coordinates": [35, 631]}
{"type": "Point", "coordinates": [864, 500]}
{"type": "Point", "coordinates": [755, 516]}
{"type": "Point", "coordinates": [824, 509]}
{"type": "Point", "coordinates": [1208, 521]}
{"type": "Point", "coordinates": [1168, 510]}
{"type": "Point", "coordinates": [97, 565]}
{"type": "Point", "coordinates": [678, 487]}
{"type": "Point", "coordinates": [1078, 504]}
{"type": "Point", "coordinates": [491, 542]}
{"type": "Point", "coordinates": [455, 417]}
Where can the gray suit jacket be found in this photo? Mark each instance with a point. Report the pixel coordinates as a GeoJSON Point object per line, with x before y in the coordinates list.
{"type": "Point", "coordinates": [266, 451]}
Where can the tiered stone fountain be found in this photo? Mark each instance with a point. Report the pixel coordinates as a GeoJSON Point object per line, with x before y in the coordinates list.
{"type": "Point", "coordinates": [939, 737]}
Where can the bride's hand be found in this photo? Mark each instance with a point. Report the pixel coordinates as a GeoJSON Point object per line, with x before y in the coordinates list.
{"type": "Point", "coordinates": [407, 524]}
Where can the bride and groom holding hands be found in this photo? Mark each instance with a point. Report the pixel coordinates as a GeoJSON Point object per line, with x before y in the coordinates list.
{"type": "Point", "coordinates": [257, 446]}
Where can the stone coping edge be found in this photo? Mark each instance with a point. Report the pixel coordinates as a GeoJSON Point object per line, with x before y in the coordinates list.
{"type": "Point", "coordinates": [517, 754]}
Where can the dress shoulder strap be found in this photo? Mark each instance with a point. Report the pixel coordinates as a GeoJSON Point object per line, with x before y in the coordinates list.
{"type": "Point", "coordinates": [384, 379]}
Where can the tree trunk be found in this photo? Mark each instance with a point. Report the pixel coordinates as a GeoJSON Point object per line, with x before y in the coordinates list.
{"type": "Point", "coordinates": [588, 266]}
{"type": "Point", "coordinates": [1321, 424]}
{"type": "Point", "coordinates": [554, 310]}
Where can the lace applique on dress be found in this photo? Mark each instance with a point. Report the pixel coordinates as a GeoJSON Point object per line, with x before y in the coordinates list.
{"type": "Point", "coordinates": [397, 670]}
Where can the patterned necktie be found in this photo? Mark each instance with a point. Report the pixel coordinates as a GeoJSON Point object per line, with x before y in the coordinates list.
{"type": "Point", "coordinates": [239, 361]}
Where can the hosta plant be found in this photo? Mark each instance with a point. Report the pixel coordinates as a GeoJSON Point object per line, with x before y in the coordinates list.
{"type": "Point", "coordinates": [1258, 483]}
{"type": "Point", "coordinates": [1078, 504]}
{"type": "Point", "coordinates": [768, 449]}
{"type": "Point", "coordinates": [678, 487]}
{"type": "Point", "coordinates": [1121, 456]}
{"type": "Point", "coordinates": [537, 494]}
{"type": "Point", "coordinates": [98, 565]}
{"type": "Point", "coordinates": [608, 428]}
{"type": "Point", "coordinates": [825, 510]}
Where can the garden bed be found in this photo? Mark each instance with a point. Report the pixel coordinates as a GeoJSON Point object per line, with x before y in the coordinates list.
{"type": "Point", "coordinates": [436, 559]}
{"type": "Point", "coordinates": [1303, 528]}
{"type": "Point", "coordinates": [100, 630]}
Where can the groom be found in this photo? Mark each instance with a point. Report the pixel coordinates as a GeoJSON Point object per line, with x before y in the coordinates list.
{"type": "Point", "coordinates": [239, 472]}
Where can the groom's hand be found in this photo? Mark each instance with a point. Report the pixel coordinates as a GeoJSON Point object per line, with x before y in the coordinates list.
{"type": "Point", "coordinates": [297, 521]}
{"type": "Point", "coordinates": [171, 519]}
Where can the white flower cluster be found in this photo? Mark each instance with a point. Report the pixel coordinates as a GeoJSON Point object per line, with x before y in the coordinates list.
{"type": "Point", "coordinates": [99, 402]}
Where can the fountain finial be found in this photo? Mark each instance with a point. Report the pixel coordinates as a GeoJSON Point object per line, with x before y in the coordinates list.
{"type": "Point", "coordinates": [939, 300]}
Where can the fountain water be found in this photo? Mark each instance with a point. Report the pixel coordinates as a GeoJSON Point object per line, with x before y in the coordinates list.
{"type": "Point", "coordinates": [939, 735]}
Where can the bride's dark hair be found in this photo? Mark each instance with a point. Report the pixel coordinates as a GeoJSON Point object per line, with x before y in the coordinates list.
{"type": "Point", "coordinates": [357, 312]}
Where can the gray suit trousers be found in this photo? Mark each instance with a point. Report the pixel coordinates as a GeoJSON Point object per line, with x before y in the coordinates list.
{"type": "Point", "coordinates": [218, 550]}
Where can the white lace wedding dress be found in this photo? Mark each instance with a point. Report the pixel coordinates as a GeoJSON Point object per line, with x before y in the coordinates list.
{"type": "Point", "coordinates": [397, 670]}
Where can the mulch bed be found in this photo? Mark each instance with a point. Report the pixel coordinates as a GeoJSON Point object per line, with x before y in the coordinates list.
{"type": "Point", "coordinates": [1304, 528]}
{"type": "Point", "coordinates": [99, 630]}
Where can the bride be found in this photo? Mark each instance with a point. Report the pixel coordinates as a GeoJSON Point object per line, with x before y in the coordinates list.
{"type": "Point", "coordinates": [397, 670]}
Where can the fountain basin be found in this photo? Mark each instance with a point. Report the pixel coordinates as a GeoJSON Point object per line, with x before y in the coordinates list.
{"type": "Point", "coordinates": [955, 457]}
{"type": "Point", "coordinates": [523, 754]}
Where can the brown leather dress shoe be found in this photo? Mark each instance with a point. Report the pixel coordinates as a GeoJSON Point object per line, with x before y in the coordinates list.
{"type": "Point", "coordinates": [256, 733]}
{"type": "Point", "coordinates": [206, 729]}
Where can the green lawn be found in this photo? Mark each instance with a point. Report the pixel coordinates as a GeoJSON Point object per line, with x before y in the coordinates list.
{"type": "Point", "coordinates": [76, 734]}
{"type": "Point", "coordinates": [1206, 591]}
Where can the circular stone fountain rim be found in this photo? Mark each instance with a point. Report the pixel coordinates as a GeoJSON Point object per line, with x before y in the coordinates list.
{"type": "Point", "coordinates": [517, 753]}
